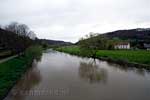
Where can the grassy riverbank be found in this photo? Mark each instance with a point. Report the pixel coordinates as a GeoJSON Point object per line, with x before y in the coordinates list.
{"type": "Point", "coordinates": [139, 56]}
{"type": "Point", "coordinates": [12, 70]}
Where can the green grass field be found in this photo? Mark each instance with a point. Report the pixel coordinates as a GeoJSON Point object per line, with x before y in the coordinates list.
{"type": "Point", "coordinates": [13, 69]}
{"type": "Point", "coordinates": [139, 56]}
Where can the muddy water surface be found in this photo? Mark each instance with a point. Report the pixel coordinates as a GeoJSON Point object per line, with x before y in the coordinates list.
{"type": "Point", "coordinates": [60, 76]}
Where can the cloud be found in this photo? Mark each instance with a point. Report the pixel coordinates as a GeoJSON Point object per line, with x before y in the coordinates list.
{"type": "Point", "coordinates": [71, 19]}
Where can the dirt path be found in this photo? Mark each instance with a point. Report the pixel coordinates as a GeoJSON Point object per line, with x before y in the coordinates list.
{"type": "Point", "coordinates": [8, 58]}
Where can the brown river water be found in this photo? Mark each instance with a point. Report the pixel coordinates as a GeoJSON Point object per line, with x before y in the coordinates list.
{"type": "Point", "coordinates": [60, 76]}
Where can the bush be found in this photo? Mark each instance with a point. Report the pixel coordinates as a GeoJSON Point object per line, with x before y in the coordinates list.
{"type": "Point", "coordinates": [34, 51]}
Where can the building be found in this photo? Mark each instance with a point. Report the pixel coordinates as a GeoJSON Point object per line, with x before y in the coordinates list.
{"type": "Point", "coordinates": [122, 45]}
{"type": "Point", "coordinates": [2, 47]}
{"type": "Point", "coordinates": [147, 46]}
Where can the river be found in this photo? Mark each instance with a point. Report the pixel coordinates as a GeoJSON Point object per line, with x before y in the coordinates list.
{"type": "Point", "coordinates": [60, 76]}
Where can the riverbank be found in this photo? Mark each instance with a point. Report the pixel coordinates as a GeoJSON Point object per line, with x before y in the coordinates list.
{"type": "Point", "coordinates": [13, 69]}
{"type": "Point", "coordinates": [139, 58]}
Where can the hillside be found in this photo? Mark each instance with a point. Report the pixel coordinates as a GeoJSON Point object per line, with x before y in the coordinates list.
{"type": "Point", "coordinates": [55, 42]}
{"type": "Point", "coordinates": [137, 37]}
{"type": "Point", "coordinates": [139, 34]}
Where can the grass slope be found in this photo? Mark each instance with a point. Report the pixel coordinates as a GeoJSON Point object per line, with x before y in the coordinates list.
{"type": "Point", "coordinates": [13, 69]}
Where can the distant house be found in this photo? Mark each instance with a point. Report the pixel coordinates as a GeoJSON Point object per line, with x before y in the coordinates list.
{"type": "Point", "coordinates": [2, 46]}
{"type": "Point", "coordinates": [147, 46]}
{"type": "Point", "coordinates": [122, 45]}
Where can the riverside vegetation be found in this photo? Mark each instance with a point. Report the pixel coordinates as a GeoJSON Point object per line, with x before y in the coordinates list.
{"type": "Point", "coordinates": [12, 70]}
{"type": "Point", "coordinates": [101, 47]}
{"type": "Point", "coordinates": [133, 56]}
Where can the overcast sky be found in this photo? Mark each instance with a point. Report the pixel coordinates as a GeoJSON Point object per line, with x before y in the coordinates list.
{"type": "Point", "coordinates": [71, 19]}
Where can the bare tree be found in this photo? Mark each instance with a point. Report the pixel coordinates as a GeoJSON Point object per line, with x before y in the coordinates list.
{"type": "Point", "coordinates": [20, 29]}
{"type": "Point", "coordinates": [32, 35]}
{"type": "Point", "coordinates": [0, 26]}
{"type": "Point", "coordinates": [12, 27]}
{"type": "Point", "coordinates": [23, 30]}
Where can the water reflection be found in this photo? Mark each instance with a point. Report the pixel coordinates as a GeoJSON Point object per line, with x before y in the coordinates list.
{"type": "Point", "coordinates": [38, 57]}
{"type": "Point", "coordinates": [125, 68]}
{"type": "Point", "coordinates": [50, 51]}
{"type": "Point", "coordinates": [31, 79]}
{"type": "Point", "coordinates": [85, 79]}
{"type": "Point", "coordinates": [92, 73]}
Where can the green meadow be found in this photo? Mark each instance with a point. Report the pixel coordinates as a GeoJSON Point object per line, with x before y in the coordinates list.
{"type": "Point", "coordinates": [135, 56]}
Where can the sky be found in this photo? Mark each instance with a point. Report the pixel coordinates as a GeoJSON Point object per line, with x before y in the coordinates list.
{"type": "Point", "coordinates": [69, 20]}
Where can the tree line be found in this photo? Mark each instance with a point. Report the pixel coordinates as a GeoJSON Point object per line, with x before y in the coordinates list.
{"type": "Point", "coordinates": [16, 37]}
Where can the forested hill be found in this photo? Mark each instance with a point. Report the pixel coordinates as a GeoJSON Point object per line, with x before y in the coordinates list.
{"type": "Point", "coordinates": [139, 34]}
{"type": "Point", "coordinates": [55, 42]}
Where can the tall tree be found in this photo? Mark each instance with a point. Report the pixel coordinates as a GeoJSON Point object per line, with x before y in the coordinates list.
{"type": "Point", "coordinates": [89, 45]}
{"type": "Point", "coordinates": [20, 29]}
{"type": "Point", "coordinates": [92, 43]}
{"type": "Point", "coordinates": [23, 30]}
{"type": "Point", "coordinates": [32, 35]}
{"type": "Point", "coordinates": [12, 27]}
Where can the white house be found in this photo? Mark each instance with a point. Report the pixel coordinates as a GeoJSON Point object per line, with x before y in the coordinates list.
{"type": "Point", "coordinates": [147, 46]}
{"type": "Point", "coordinates": [122, 45]}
